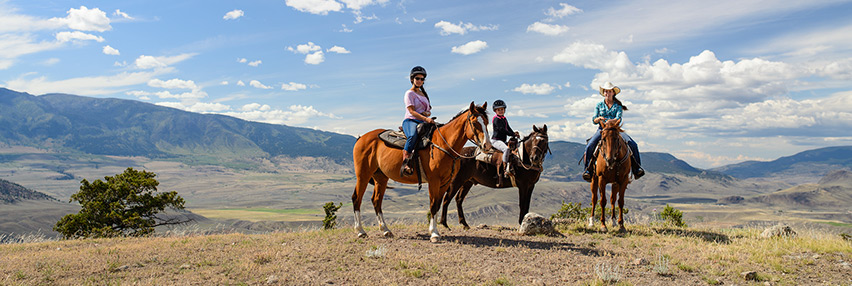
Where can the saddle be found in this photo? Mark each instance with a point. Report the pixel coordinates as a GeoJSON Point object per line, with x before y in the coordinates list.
{"type": "Point", "coordinates": [396, 138]}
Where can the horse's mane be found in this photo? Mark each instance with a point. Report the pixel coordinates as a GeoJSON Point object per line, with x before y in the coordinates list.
{"type": "Point", "coordinates": [482, 110]}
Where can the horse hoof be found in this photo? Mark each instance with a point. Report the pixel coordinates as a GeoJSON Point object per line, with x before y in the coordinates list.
{"type": "Point", "coordinates": [362, 235]}
{"type": "Point", "coordinates": [466, 227]}
{"type": "Point", "coordinates": [621, 229]}
{"type": "Point", "coordinates": [603, 229]}
{"type": "Point", "coordinates": [388, 234]}
{"type": "Point", "coordinates": [435, 238]}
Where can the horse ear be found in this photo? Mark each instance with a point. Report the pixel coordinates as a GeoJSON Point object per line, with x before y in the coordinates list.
{"type": "Point", "coordinates": [544, 128]}
{"type": "Point", "coordinates": [472, 106]}
{"type": "Point", "coordinates": [535, 129]}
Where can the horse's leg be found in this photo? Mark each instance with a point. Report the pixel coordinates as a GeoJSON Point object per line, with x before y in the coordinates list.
{"type": "Point", "coordinates": [448, 197]}
{"type": "Point", "coordinates": [594, 188]}
{"type": "Point", "coordinates": [436, 196]}
{"type": "Point", "coordinates": [602, 190]}
{"type": "Point", "coordinates": [357, 196]}
{"type": "Point", "coordinates": [613, 199]}
{"type": "Point", "coordinates": [524, 195]}
{"type": "Point", "coordinates": [381, 181]}
{"type": "Point", "coordinates": [460, 199]}
{"type": "Point", "coordinates": [621, 207]}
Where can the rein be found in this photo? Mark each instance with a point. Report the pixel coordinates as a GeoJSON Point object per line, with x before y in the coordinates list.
{"type": "Point", "coordinates": [618, 148]}
{"type": "Point", "coordinates": [535, 166]}
{"type": "Point", "coordinates": [455, 154]}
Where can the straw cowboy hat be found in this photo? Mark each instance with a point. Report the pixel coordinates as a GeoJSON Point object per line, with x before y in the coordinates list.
{"type": "Point", "coordinates": [607, 86]}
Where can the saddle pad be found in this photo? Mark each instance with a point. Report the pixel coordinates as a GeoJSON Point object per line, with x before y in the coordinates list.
{"type": "Point", "coordinates": [396, 139]}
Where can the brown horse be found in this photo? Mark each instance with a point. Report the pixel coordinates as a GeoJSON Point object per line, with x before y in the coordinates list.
{"type": "Point", "coordinates": [611, 166]}
{"type": "Point", "coordinates": [472, 172]}
{"type": "Point", "coordinates": [439, 162]}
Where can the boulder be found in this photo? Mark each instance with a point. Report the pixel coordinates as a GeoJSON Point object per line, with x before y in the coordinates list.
{"type": "Point", "coordinates": [534, 224]}
{"type": "Point", "coordinates": [780, 230]}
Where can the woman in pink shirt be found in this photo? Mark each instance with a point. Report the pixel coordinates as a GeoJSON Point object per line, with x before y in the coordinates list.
{"type": "Point", "coordinates": [417, 110]}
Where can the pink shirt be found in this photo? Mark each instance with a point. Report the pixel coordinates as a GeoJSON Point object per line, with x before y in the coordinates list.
{"type": "Point", "coordinates": [420, 103]}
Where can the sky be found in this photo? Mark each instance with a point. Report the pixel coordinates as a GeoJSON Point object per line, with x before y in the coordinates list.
{"type": "Point", "coordinates": [711, 83]}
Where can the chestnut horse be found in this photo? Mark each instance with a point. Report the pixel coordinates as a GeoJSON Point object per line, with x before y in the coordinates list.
{"type": "Point", "coordinates": [439, 162]}
{"type": "Point", "coordinates": [611, 166]}
{"type": "Point", "coordinates": [533, 149]}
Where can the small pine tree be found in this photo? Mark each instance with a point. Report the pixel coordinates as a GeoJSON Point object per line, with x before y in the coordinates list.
{"type": "Point", "coordinates": [672, 216]}
{"type": "Point", "coordinates": [121, 205]}
{"type": "Point", "coordinates": [330, 220]}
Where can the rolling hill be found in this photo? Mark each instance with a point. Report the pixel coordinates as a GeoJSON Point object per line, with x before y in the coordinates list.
{"type": "Point", "coordinates": [11, 193]}
{"type": "Point", "coordinates": [106, 126]}
{"type": "Point", "coordinates": [814, 164]}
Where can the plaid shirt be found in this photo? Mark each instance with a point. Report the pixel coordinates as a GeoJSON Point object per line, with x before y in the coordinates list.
{"type": "Point", "coordinates": [609, 113]}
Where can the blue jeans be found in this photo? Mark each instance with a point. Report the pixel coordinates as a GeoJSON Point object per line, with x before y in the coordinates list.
{"type": "Point", "coordinates": [409, 127]}
{"type": "Point", "coordinates": [593, 142]}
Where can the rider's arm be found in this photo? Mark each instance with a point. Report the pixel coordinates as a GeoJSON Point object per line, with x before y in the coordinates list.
{"type": "Point", "coordinates": [418, 115]}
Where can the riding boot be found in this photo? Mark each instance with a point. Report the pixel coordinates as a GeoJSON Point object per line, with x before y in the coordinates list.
{"type": "Point", "coordinates": [500, 171]}
{"type": "Point", "coordinates": [405, 169]}
{"type": "Point", "coordinates": [587, 175]}
{"type": "Point", "coordinates": [508, 167]}
{"type": "Point", "coordinates": [638, 172]}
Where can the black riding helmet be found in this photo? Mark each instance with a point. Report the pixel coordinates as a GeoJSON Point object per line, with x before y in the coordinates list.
{"type": "Point", "coordinates": [498, 104]}
{"type": "Point", "coordinates": [417, 70]}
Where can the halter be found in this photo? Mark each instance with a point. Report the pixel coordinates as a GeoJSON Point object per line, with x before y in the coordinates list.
{"type": "Point", "coordinates": [535, 165]}
{"type": "Point", "coordinates": [619, 143]}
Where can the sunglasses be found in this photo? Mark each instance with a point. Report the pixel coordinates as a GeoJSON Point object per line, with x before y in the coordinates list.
{"type": "Point", "coordinates": [420, 78]}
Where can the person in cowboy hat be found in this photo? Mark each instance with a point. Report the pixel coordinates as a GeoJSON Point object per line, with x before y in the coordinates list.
{"type": "Point", "coordinates": [609, 109]}
{"type": "Point", "coordinates": [418, 108]}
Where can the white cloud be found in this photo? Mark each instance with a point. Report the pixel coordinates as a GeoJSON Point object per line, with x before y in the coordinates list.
{"type": "Point", "coordinates": [471, 47]}
{"type": "Point", "coordinates": [318, 7]}
{"type": "Point", "coordinates": [149, 62]}
{"type": "Point", "coordinates": [51, 61]}
{"type": "Point", "coordinates": [255, 63]}
{"type": "Point", "coordinates": [97, 85]}
{"type": "Point", "coordinates": [461, 28]}
{"type": "Point", "coordinates": [173, 84]}
{"type": "Point", "coordinates": [77, 35]}
{"type": "Point", "coordinates": [242, 60]}
{"type": "Point", "coordinates": [292, 86]}
{"type": "Point", "coordinates": [110, 51]}
{"type": "Point", "coordinates": [85, 19]}
{"type": "Point", "coordinates": [255, 106]}
{"type": "Point", "coordinates": [535, 89]}
{"type": "Point", "coordinates": [199, 107]}
{"type": "Point", "coordinates": [315, 58]}
{"type": "Point", "coordinates": [233, 15]}
{"type": "Point", "coordinates": [257, 84]}
{"type": "Point", "coordinates": [241, 83]}
{"type": "Point", "coordinates": [345, 29]}
{"type": "Point", "coordinates": [224, 82]}
{"type": "Point", "coordinates": [190, 95]}
{"type": "Point", "coordinates": [547, 29]}
{"type": "Point", "coordinates": [418, 20]}
{"type": "Point", "coordinates": [564, 11]}
{"type": "Point", "coordinates": [359, 4]}
{"type": "Point", "coordinates": [339, 50]}
{"type": "Point", "coordinates": [305, 48]}
{"type": "Point", "coordinates": [122, 15]}
{"type": "Point", "coordinates": [14, 46]}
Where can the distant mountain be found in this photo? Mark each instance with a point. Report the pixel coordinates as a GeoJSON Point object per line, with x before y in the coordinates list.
{"type": "Point", "coordinates": [563, 163]}
{"type": "Point", "coordinates": [12, 193]}
{"type": "Point", "coordinates": [814, 163]}
{"type": "Point", "coordinates": [834, 191]}
{"type": "Point", "coordinates": [107, 126]}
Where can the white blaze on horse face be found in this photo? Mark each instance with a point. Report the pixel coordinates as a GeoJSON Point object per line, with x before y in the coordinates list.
{"type": "Point", "coordinates": [486, 142]}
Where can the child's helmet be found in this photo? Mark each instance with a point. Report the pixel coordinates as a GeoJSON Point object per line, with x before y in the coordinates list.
{"type": "Point", "coordinates": [417, 70]}
{"type": "Point", "coordinates": [498, 104]}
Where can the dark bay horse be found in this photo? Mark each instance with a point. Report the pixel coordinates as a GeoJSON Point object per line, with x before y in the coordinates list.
{"type": "Point", "coordinates": [611, 166]}
{"type": "Point", "coordinates": [473, 172]}
{"type": "Point", "coordinates": [439, 162]}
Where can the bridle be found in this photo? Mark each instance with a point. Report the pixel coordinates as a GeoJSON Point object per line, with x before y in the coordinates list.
{"type": "Point", "coordinates": [619, 144]}
{"type": "Point", "coordinates": [536, 165]}
{"type": "Point", "coordinates": [455, 154]}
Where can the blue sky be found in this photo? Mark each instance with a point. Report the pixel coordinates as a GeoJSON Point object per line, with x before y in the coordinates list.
{"type": "Point", "coordinates": [712, 84]}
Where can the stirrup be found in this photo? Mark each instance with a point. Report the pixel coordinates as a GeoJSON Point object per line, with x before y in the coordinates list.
{"type": "Point", "coordinates": [405, 170]}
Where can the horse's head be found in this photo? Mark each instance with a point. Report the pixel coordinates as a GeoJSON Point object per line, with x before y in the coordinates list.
{"type": "Point", "coordinates": [611, 141]}
{"type": "Point", "coordinates": [477, 120]}
{"type": "Point", "coordinates": [537, 145]}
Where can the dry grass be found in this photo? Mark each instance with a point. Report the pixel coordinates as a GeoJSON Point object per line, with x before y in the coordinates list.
{"type": "Point", "coordinates": [491, 256]}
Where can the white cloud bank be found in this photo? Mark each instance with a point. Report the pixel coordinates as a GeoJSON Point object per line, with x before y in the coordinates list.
{"type": "Point", "coordinates": [461, 28]}
{"type": "Point", "coordinates": [469, 48]}
{"type": "Point", "coordinates": [547, 29]}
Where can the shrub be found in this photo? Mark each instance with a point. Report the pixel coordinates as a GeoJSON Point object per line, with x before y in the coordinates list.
{"type": "Point", "coordinates": [330, 220]}
{"type": "Point", "coordinates": [575, 211]}
{"type": "Point", "coordinates": [672, 216]}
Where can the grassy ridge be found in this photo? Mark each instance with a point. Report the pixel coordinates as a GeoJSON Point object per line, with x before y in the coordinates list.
{"type": "Point", "coordinates": [491, 256]}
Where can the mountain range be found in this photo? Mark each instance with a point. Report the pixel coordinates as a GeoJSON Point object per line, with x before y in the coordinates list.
{"type": "Point", "coordinates": [106, 126]}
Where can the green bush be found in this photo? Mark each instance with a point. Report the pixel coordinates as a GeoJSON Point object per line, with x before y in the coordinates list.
{"type": "Point", "coordinates": [672, 216]}
{"type": "Point", "coordinates": [575, 211]}
{"type": "Point", "coordinates": [330, 220]}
